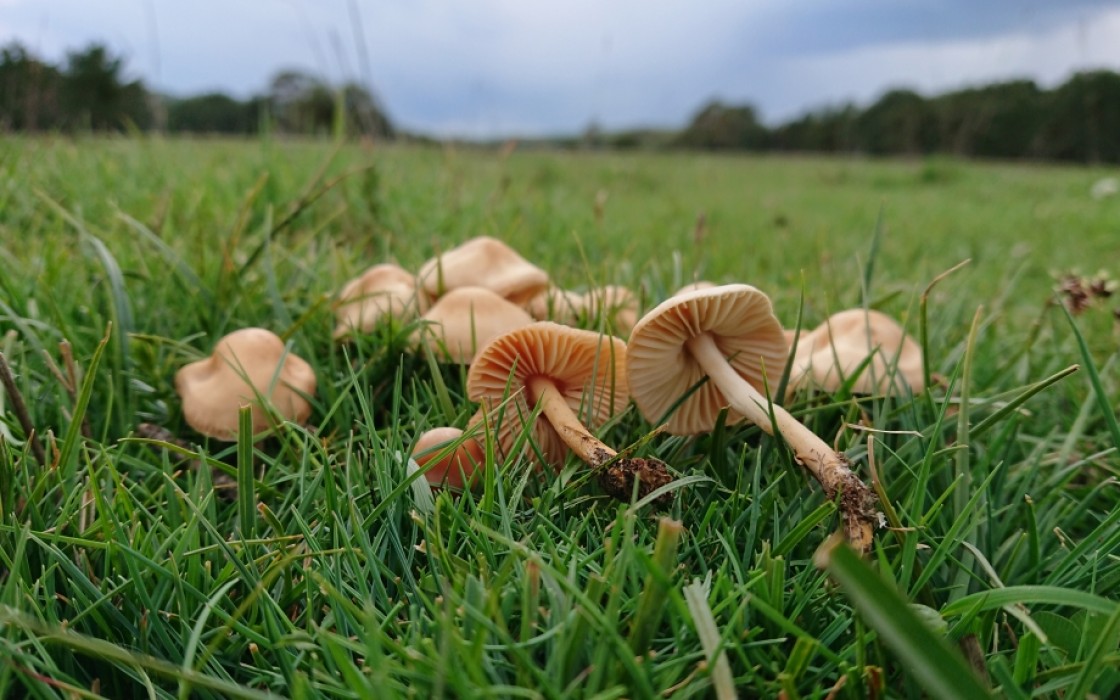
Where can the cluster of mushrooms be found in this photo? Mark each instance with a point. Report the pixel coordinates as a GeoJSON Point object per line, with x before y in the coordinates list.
{"type": "Point", "coordinates": [544, 386]}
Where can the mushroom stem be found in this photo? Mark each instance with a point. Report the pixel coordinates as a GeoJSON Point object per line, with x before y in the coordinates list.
{"type": "Point", "coordinates": [829, 468]}
{"type": "Point", "coordinates": [567, 425]}
{"type": "Point", "coordinates": [616, 475]}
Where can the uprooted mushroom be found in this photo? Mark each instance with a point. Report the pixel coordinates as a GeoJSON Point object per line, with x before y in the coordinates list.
{"type": "Point", "coordinates": [858, 340]}
{"type": "Point", "coordinates": [729, 336]}
{"type": "Point", "coordinates": [543, 375]}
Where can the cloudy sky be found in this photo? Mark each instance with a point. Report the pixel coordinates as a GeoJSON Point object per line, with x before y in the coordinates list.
{"type": "Point", "coordinates": [531, 67]}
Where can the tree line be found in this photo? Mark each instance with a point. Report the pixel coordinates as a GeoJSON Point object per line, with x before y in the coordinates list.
{"type": "Point", "coordinates": [89, 91]}
{"type": "Point", "coordinates": [1078, 120]}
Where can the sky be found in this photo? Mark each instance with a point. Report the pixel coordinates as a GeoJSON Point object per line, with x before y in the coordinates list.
{"type": "Point", "coordinates": [490, 68]}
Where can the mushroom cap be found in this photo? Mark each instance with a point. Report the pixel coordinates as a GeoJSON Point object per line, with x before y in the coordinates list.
{"type": "Point", "coordinates": [617, 305]}
{"type": "Point", "coordinates": [836, 348]}
{"type": "Point", "coordinates": [554, 304]}
{"type": "Point", "coordinates": [483, 262]}
{"type": "Point", "coordinates": [382, 290]}
{"type": "Point", "coordinates": [693, 286]}
{"type": "Point", "coordinates": [454, 466]}
{"type": "Point", "coordinates": [214, 389]}
{"type": "Point", "coordinates": [588, 369]}
{"type": "Point", "coordinates": [738, 317]}
{"type": "Point", "coordinates": [466, 319]}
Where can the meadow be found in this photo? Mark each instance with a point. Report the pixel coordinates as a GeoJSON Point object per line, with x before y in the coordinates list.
{"type": "Point", "coordinates": [332, 573]}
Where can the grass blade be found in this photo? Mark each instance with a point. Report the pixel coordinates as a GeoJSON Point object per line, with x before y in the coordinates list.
{"type": "Point", "coordinates": [940, 671]}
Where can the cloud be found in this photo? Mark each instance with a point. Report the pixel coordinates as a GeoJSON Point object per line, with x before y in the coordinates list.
{"type": "Point", "coordinates": [490, 67]}
{"type": "Point", "coordinates": [862, 74]}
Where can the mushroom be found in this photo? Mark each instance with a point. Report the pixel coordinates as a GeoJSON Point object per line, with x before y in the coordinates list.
{"type": "Point", "coordinates": [382, 290]}
{"type": "Point", "coordinates": [614, 304]}
{"type": "Point", "coordinates": [247, 365]}
{"type": "Point", "coordinates": [729, 336]}
{"type": "Point", "coordinates": [466, 319]}
{"type": "Point", "coordinates": [456, 457]}
{"type": "Point", "coordinates": [694, 286]}
{"type": "Point", "coordinates": [840, 346]}
{"type": "Point", "coordinates": [562, 371]}
{"type": "Point", "coordinates": [483, 262]}
{"type": "Point", "coordinates": [554, 304]}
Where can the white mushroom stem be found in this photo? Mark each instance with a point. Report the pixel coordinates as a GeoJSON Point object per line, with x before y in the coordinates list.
{"type": "Point", "coordinates": [826, 466]}
{"type": "Point", "coordinates": [567, 425]}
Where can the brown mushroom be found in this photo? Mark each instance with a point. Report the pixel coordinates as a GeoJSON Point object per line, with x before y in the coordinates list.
{"type": "Point", "coordinates": [246, 366]}
{"type": "Point", "coordinates": [694, 286]}
{"type": "Point", "coordinates": [455, 457]}
{"type": "Point", "coordinates": [840, 346]}
{"type": "Point", "coordinates": [466, 319]}
{"type": "Point", "coordinates": [729, 336]}
{"type": "Point", "coordinates": [381, 291]}
{"type": "Point", "coordinates": [615, 305]}
{"type": "Point", "coordinates": [563, 371]}
{"type": "Point", "coordinates": [483, 262]}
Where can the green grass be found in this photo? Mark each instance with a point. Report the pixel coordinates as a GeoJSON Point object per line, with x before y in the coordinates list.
{"type": "Point", "coordinates": [123, 573]}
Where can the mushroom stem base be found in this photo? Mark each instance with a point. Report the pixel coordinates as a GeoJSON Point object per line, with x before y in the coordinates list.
{"type": "Point", "coordinates": [616, 475]}
{"type": "Point", "coordinates": [830, 469]}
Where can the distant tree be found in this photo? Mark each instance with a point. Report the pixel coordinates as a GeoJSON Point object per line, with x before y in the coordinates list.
{"type": "Point", "coordinates": [94, 95]}
{"type": "Point", "coordinates": [995, 121]}
{"type": "Point", "coordinates": [364, 112]}
{"type": "Point", "coordinates": [28, 91]}
{"type": "Point", "coordinates": [828, 130]}
{"type": "Point", "coordinates": [720, 126]}
{"type": "Point", "coordinates": [211, 113]}
{"type": "Point", "coordinates": [1082, 119]}
{"type": "Point", "coordinates": [901, 121]}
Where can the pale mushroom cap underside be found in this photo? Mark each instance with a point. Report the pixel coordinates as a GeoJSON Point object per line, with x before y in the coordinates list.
{"type": "Point", "coordinates": [483, 262]}
{"type": "Point", "coordinates": [588, 370]}
{"type": "Point", "coordinates": [661, 369]}
{"type": "Point", "coordinates": [837, 348]}
{"type": "Point", "coordinates": [465, 320]}
{"type": "Point", "coordinates": [245, 364]}
{"type": "Point", "coordinates": [381, 291]}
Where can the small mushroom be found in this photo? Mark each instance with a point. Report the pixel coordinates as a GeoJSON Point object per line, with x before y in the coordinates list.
{"type": "Point", "coordinates": [246, 365]}
{"type": "Point", "coordinates": [563, 371]}
{"type": "Point", "coordinates": [456, 457]}
{"type": "Point", "coordinates": [466, 319]}
{"type": "Point", "coordinates": [730, 336]}
{"type": "Point", "coordinates": [381, 291]}
{"type": "Point", "coordinates": [554, 304]}
{"type": "Point", "coordinates": [837, 348]}
{"type": "Point", "coordinates": [614, 304]}
{"type": "Point", "coordinates": [483, 262]}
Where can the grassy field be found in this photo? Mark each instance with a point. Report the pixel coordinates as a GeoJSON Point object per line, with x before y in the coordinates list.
{"type": "Point", "coordinates": [123, 574]}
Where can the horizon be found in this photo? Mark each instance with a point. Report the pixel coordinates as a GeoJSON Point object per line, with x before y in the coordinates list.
{"type": "Point", "coordinates": [499, 70]}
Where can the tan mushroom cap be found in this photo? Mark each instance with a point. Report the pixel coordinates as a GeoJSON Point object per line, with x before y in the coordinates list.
{"type": "Point", "coordinates": [457, 458]}
{"type": "Point", "coordinates": [381, 291]}
{"type": "Point", "coordinates": [694, 286]}
{"type": "Point", "coordinates": [214, 389]}
{"type": "Point", "coordinates": [588, 370]}
{"type": "Point", "coordinates": [741, 322]}
{"type": "Point", "coordinates": [615, 304]}
{"type": "Point", "coordinates": [483, 262]}
{"type": "Point", "coordinates": [554, 304]}
{"type": "Point", "coordinates": [834, 350]}
{"type": "Point", "coordinates": [466, 319]}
